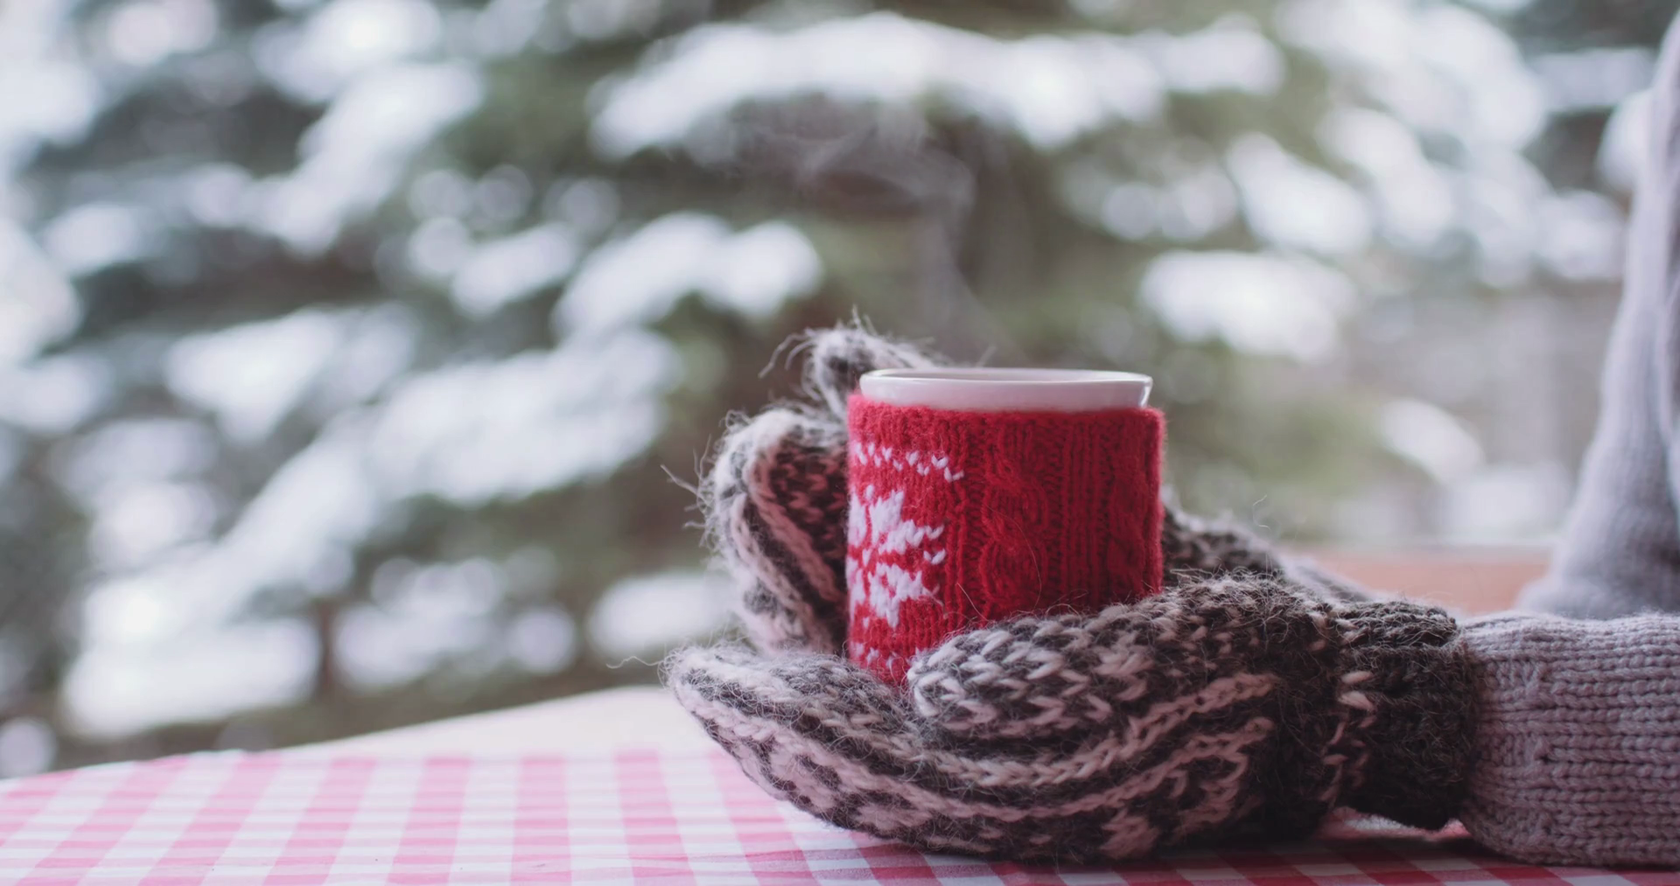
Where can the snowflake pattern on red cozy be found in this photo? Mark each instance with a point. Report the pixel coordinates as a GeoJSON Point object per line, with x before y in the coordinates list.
{"type": "Point", "coordinates": [896, 550]}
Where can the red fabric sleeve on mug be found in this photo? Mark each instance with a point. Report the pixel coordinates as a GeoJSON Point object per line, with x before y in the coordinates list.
{"type": "Point", "coordinates": [959, 519]}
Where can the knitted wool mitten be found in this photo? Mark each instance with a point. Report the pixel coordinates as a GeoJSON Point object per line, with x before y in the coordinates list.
{"type": "Point", "coordinates": [1230, 709]}
{"type": "Point", "coordinates": [1240, 702]}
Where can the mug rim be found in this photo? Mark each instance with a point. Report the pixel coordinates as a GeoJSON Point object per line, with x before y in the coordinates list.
{"type": "Point", "coordinates": [1013, 376]}
{"type": "Point", "coordinates": [1007, 390]}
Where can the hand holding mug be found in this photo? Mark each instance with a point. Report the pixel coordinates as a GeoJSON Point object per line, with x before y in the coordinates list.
{"type": "Point", "coordinates": [1239, 701]}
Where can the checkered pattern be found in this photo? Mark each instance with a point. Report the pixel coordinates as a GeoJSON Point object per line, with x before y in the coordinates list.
{"type": "Point", "coordinates": [289, 819]}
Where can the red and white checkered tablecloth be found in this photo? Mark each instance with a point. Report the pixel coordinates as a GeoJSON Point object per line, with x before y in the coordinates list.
{"type": "Point", "coordinates": [289, 819]}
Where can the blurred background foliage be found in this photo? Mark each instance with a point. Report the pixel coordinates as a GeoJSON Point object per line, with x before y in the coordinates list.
{"type": "Point", "coordinates": [345, 345]}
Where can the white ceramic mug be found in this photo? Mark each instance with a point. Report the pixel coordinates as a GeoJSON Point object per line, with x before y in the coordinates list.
{"type": "Point", "coordinates": [1008, 390]}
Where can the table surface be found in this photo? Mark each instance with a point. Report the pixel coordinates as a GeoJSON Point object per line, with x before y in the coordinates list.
{"type": "Point", "coordinates": [595, 722]}
{"type": "Point", "coordinates": [626, 816]}
{"type": "Point", "coordinates": [622, 787]}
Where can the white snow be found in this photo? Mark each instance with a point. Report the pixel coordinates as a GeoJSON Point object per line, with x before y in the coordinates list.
{"type": "Point", "coordinates": [1414, 198]}
{"type": "Point", "coordinates": [759, 269]}
{"type": "Point", "coordinates": [1051, 89]}
{"type": "Point", "coordinates": [648, 615]}
{"type": "Point", "coordinates": [1440, 68]}
{"type": "Point", "coordinates": [1258, 303]}
{"type": "Point", "coordinates": [377, 347]}
{"type": "Point", "coordinates": [422, 613]}
{"type": "Point", "coordinates": [426, 613]}
{"type": "Point", "coordinates": [1581, 236]}
{"type": "Point", "coordinates": [1187, 208]}
{"type": "Point", "coordinates": [52, 395]}
{"type": "Point", "coordinates": [354, 155]}
{"type": "Point", "coordinates": [1290, 203]}
{"type": "Point", "coordinates": [1232, 55]}
{"type": "Point", "coordinates": [27, 746]}
{"type": "Point", "coordinates": [470, 433]}
{"type": "Point", "coordinates": [145, 32]}
{"type": "Point", "coordinates": [1506, 502]}
{"type": "Point", "coordinates": [1627, 139]}
{"type": "Point", "coordinates": [344, 39]}
{"type": "Point", "coordinates": [312, 509]}
{"type": "Point", "coordinates": [1498, 204]}
{"type": "Point", "coordinates": [639, 278]}
{"type": "Point", "coordinates": [38, 306]}
{"type": "Point", "coordinates": [215, 193]}
{"type": "Point", "coordinates": [438, 247]}
{"type": "Point", "coordinates": [503, 271]}
{"type": "Point", "coordinates": [112, 691]}
{"type": "Point", "coordinates": [538, 420]}
{"type": "Point", "coordinates": [50, 96]}
{"type": "Point", "coordinates": [504, 27]}
{"type": "Point", "coordinates": [94, 235]}
{"type": "Point", "coordinates": [253, 374]}
{"type": "Point", "coordinates": [134, 450]}
{"type": "Point", "coordinates": [135, 522]}
{"type": "Point", "coordinates": [543, 640]}
{"type": "Point", "coordinates": [1593, 79]}
{"type": "Point", "coordinates": [1431, 438]}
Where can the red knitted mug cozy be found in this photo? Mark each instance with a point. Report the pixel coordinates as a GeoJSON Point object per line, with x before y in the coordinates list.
{"type": "Point", "coordinates": [959, 519]}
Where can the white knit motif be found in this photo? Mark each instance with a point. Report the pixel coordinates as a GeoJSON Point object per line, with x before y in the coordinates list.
{"type": "Point", "coordinates": [892, 553]}
{"type": "Point", "coordinates": [892, 559]}
{"type": "Point", "coordinates": [938, 464]}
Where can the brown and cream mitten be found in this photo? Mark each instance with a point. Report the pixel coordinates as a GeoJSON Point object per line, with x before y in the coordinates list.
{"type": "Point", "coordinates": [1247, 700]}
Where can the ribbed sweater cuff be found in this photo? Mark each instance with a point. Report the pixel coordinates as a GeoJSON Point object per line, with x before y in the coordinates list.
{"type": "Point", "coordinates": [1578, 744]}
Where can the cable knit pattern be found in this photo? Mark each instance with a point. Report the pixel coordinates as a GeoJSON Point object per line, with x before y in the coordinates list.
{"type": "Point", "coordinates": [959, 519]}
{"type": "Point", "coordinates": [1579, 741]}
{"type": "Point", "coordinates": [1238, 708]}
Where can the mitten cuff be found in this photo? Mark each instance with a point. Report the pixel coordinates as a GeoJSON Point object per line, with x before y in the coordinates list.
{"type": "Point", "coordinates": [1408, 690]}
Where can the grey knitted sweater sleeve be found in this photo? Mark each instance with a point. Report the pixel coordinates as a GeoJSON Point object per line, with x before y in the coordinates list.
{"type": "Point", "coordinates": [1620, 550]}
{"type": "Point", "coordinates": [1578, 741]}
